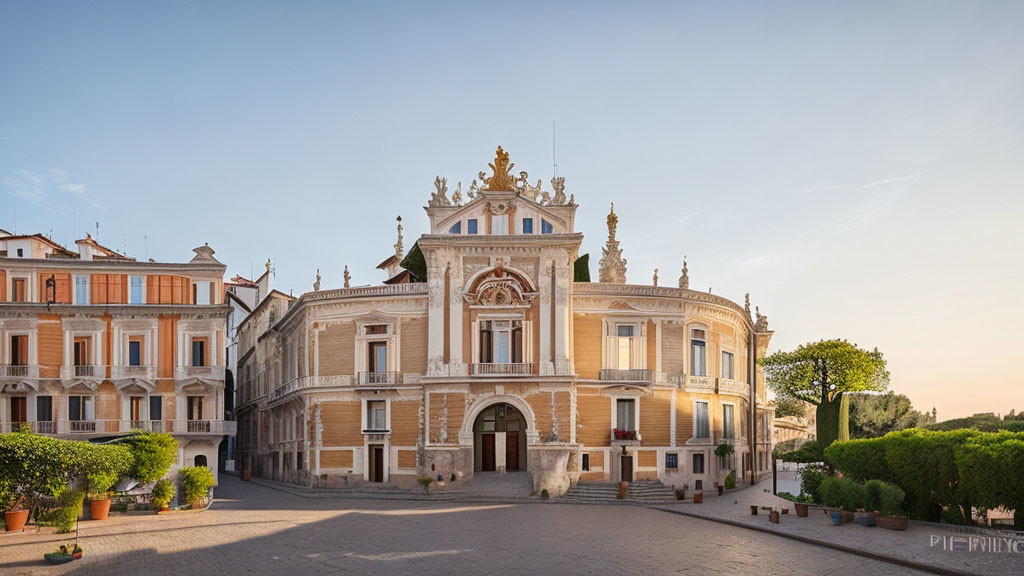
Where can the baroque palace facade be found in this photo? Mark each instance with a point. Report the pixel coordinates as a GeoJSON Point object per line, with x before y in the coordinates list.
{"type": "Point", "coordinates": [94, 344]}
{"type": "Point", "coordinates": [498, 360]}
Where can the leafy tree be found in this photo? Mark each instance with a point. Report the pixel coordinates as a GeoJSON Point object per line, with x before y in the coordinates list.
{"type": "Point", "coordinates": [823, 373]}
{"type": "Point", "coordinates": [987, 422]}
{"type": "Point", "coordinates": [152, 455]}
{"type": "Point", "coordinates": [790, 407]}
{"type": "Point", "coordinates": [875, 415]}
{"type": "Point", "coordinates": [197, 480]}
{"type": "Point", "coordinates": [415, 263]}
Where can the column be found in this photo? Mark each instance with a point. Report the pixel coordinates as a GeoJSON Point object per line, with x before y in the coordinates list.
{"type": "Point", "coordinates": [455, 303]}
{"type": "Point", "coordinates": [435, 288]}
{"type": "Point", "coordinates": [544, 287]}
{"type": "Point", "coordinates": [561, 281]}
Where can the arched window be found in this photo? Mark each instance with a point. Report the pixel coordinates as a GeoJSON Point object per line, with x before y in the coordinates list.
{"type": "Point", "coordinates": [200, 460]}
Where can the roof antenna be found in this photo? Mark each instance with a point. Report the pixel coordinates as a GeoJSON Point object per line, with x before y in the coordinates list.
{"type": "Point", "coordinates": [97, 231]}
{"type": "Point", "coordinates": [554, 158]}
{"type": "Point", "coordinates": [146, 238]}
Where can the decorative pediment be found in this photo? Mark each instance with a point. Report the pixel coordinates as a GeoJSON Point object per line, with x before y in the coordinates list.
{"type": "Point", "coordinates": [196, 386]}
{"type": "Point", "coordinates": [620, 305]}
{"type": "Point", "coordinates": [500, 287]}
{"type": "Point", "coordinates": [128, 384]}
{"type": "Point", "coordinates": [70, 385]}
{"type": "Point", "coordinates": [19, 386]}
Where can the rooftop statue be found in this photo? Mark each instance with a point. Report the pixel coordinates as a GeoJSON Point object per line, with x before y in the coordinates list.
{"type": "Point", "coordinates": [613, 265]}
{"type": "Point", "coordinates": [502, 168]}
{"type": "Point", "coordinates": [440, 197]}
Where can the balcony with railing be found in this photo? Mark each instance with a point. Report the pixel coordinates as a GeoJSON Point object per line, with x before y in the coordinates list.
{"type": "Point", "coordinates": [204, 372]}
{"type": "Point", "coordinates": [502, 369]}
{"type": "Point", "coordinates": [733, 387]}
{"type": "Point", "coordinates": [205, 427]}
{"type": "Point", "coordinates": [378, 378]}
{"type": "Point", "coordinates": [144, 372]}
{"type": "Point", "coordinates": [631, 375]}
{"type": "Point", "coordinates": [12, 371]}
{"type": "Point", "coordinates": [83, 372]}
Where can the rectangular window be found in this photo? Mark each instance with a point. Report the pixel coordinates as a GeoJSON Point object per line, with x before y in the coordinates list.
{"type": "Point", "coordinates": [201, 293]}
{"type": "Point", "coordinates": [527, 225]}
{"type": "Point", "coordinates": [156, 407]}
{"type": "Point", "coordinates": [44, 408]}
{"type": "Point", "coordinates": [499, 224]}
{"type": "Point", "coordinates": [374, 329]}
{"type": "Point", "coordinates": [671, 461]}
{"type": "Point", "coordinates": [195, 408]}
{"type": "Point", "coordinates": [21, 252]}
{"type": "Point", "coordinates": [725, 462]}
{"type": "Point", "coordinates": [698, 463]}
{"type": "Point", "coordinates": [378, 360]}
{"type": "Point", "coordinates": [80, 408]}
{"type": "Point", "coordinates": [456, 228]}
{"type": "Point", "coordinates": [624, 345]}
{"type": "Point", "coordinates": [698, 353]}
{"type": "Point", "coordinates": [586, 462]}
{"type": "Point", "coordinates": [625, 414]}
{"type": "Point", "coordinates": [19, 350]}
{"type": "Point", "coordinates": [18, 293]}
{"type": "Point", "coordinates": [501, 341]}
{"type": "Point", "coordinates": [135, 290]}
{"type": "Point", "coordinates": [471, 226]}
{"type": "Point", "coordinates": [546, 227]}
{"type": "Point", "coordinates": [727, 365]}
{"type": "Point", "coordinates": [81, 290]}
{"type": "Point", "coordinates": [700, 420]}
{"type": "Point", "coordinates": [199, 353]}
{"type": "Point", "coordinates": [134, 353]}
{"type": "Point", "coordinates": [81, 350]}
{"type": "Point", "coordinates": [728, 429]}
{"type": "Point", "coordinates": [376, 415]}
{"type": "Point", "coordinates": [135, 408]}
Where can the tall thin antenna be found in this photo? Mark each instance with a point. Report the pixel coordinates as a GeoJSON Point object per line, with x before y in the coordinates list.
{"type": "Point", "coordinates": [146, 238]}
{"type": "Point", "coordinates": [97, 231]}
{"type": "Point", "coordinates": [74, 215]}
{"type": "Point", "coordinates": [554, 157]}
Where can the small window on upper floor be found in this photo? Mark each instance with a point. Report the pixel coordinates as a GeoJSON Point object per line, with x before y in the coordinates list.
{"type": "Point", "coordinates": [471, 226]}
{"type": "Point", "coordinates": [201, 293]}
{"type": "Point", "coordinates": [81, 290]}
{"type": "Point", "coordinates": [499, 224]}
{"type": "Point", "coordinates": [527, 225]}
{"type": "Point", "coordinates": [456, 228]}
{"type": "Point", "coordinates": [376, 329]}
{"type": "Point", "coordinates": [727, 365]}
{"type": "Point", "coordinates": [21, 253]}
{"type": "Point", "coordinates": [135, 290]}
{"type": "Point", "coordinates": [18, 292]}
{"type": "Point", "coordinates": [199, 352]}
{"type": "Point", "coordinates": [546, 227]}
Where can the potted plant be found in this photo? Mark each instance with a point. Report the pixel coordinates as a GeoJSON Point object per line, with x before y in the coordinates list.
{"type": "Point", "coordinates": [801, 505]}
{"type": "Point", "coordinates": [842, 496]}
{"type": "Point", "coordinates": [163, 493]}
{"type": "Point", "coordinates": [197, 480]}
{"type": "Point", "coordinates": [888, 501]}
{"type": "Point", "coordinates": [100, 482]}
{"type": "Point", "coordinates": [12, 500]}
{"type": "Point", "coordinates": [730, 481]}
{"type": "Point", "coordinates": [698, 497]}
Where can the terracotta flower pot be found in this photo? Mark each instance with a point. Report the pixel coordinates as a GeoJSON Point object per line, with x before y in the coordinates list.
{"type": "Point", "coordinates": [801, 509]}
{"type": "Point", "coordinates": [245, 475]}
{"type": "Point", "coordinates": [15, 519]}
{"type": "Point", "coordinates": [893, 522]}
{"type": "Point", "coordinates": [773, 516]}
{"type": "Point", "coordinates": [99, 509]}
{"type": "Point", "coordinates": [698, 497]}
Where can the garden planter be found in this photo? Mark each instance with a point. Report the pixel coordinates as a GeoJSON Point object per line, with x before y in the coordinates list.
{"type": "Point", "coordinates": [773, 516]}
{"type": "Point", "coordinates": [15, 519]}
{"type": "Point", "coordinates": [801, 509]}
{"type": "Point", "coordinates": [753, 510]}
{"type": "Point", "coordinates": [58, 558]}
{"type": "Point", "coordinates": [698, 497]}
{"type": "Point", "coordinates": [893, 522]}
{"type": "Point", "coordinates": [865, 519]}
{"type": "Point", "coordinates": [837, 518]}
{"type": "Point", "coordinates": [99, 509]}
{"type": "Point", "coordinates": [785, 510]}
{"type": "Point", "coordinates": [848, 517]}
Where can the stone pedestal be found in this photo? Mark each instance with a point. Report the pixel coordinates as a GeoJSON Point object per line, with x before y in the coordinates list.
{"type": "Point", "coordinates": [549, 466]}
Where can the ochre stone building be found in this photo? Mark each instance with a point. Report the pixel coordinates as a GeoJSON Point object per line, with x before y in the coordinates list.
{"type": "Point", "coordinates": [481, 352]}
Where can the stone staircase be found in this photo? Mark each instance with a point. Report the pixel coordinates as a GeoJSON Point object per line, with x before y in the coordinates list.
{"type": "Point", "coordinates": [604, 492]}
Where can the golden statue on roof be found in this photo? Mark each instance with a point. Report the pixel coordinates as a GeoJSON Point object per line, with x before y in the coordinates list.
{"type": "Point", "coordinates": [502, 168]}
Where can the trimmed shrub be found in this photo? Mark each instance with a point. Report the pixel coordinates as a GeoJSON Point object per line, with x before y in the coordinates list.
{"type": "Point", "coordinates": [103, 466]}
{"type": "Point", "coordinates": [152, 455]}
{"type": "Point", "coordinates": [844, 493]}
{"type": "Point", "coordinates": [64, 516]}
{"type": "Point", "coordinates": [197, 481]}
{"type": "Point", "coordinates": [989, 466]}
{"type": "Point", "coordinates": [810, 481]}
{"type": "Point", "coordinates": [860, 459]}
{"type": "Point", "coordinates": [730, 481]}
{"type": "Point", "coordinates": [809, 453]}
{"type": "Point", "coordinates": [163, 493]}
{"type": "Point", "coordinates": [885, 497]}
{"type": "Point", "coordinates": [923, 464]}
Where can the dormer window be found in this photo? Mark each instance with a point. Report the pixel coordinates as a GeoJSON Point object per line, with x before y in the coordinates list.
{"type": "Point", "coordinates": [546, 227]}
{"type": "Point", "coordinates": [471, 226]}
{"type": "Point", "coordinates": [456, 228]}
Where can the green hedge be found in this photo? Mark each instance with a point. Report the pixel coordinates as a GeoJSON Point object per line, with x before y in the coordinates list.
{"type": "Point", "coordinates": [197, 480]}
{"type": "Point", "coordinates": [885, 497]}
{"type": "Point", "coordinates": [152, 455]}
{"type": "Point", "coordinates": [163, 493]}
{"type": "Point", "coordinates": [811, 478]}
{"type": "Point", "coordinates": [809, 453]}
{"type": "Point", "coordinates": [837, 492]}
{"type": "Point", "coordinates": [64, 516]}
{"type": "Point", "coordinates": [942, 473]}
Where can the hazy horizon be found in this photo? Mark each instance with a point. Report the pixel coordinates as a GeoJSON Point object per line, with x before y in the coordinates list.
{"type": "Point", "coordinates": [856, 168]}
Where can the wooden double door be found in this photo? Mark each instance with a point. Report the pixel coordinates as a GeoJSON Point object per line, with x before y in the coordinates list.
{"type": "Point", "coordinates": [488, 463]}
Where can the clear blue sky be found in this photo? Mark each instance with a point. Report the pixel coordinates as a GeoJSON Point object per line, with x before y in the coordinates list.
{"type": "Point", "coordinates": [857, 167]}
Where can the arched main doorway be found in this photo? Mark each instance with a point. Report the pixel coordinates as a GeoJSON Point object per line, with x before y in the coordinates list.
{"type": "Point", "coordinates": [499, 439]}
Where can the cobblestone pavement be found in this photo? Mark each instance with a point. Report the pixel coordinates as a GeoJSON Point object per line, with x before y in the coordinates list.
{"type": "Point", "coordinates": [940, 546]}
{"type": "Point", "coordinates": [254, 529]}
